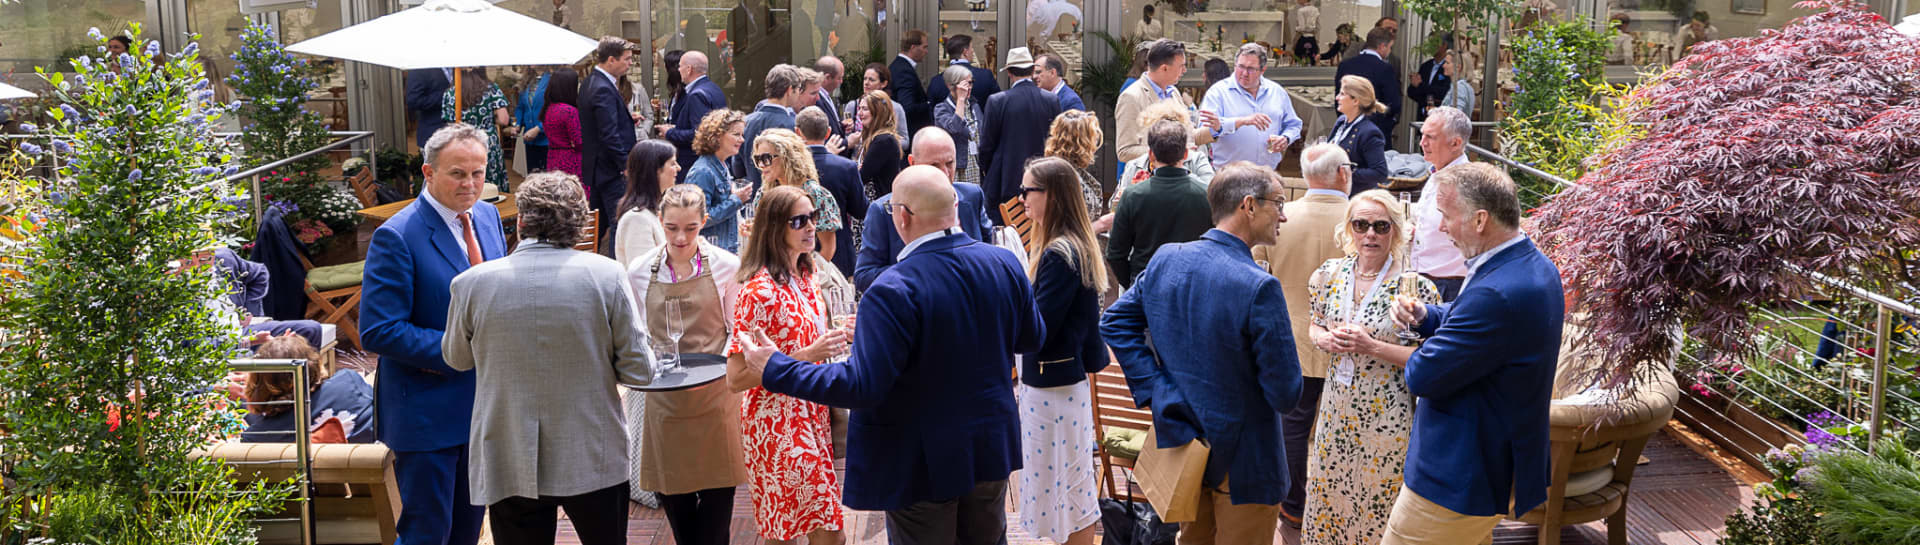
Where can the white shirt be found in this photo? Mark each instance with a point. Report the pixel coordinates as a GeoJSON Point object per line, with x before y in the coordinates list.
{"type": "Point", "coordinates": [1306, 20]}
{"type": "Point", "coordinates": [1376, 54]}
{"type": "Point", "coordinates": [929, 237]}
{"type": "Point", "coordinates": [610, 78]}
{"type": "Point", "coordinates": [1473, 265]}
{"type": "Point", "coordinates": [1433, 251]}
{"type": "Point", "coordinates": [915, 64]}
{"type": "Point", "coordinates": [453, 221]}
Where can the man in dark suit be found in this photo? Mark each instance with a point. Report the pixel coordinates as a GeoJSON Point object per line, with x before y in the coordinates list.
{"type": "Point", "coordinates": [960, 51]}
{"type": "Point", "coordinates": [1371, 63]}
{"type": "Point", "coordinates": [1015, 130]}
{"type": "Point", "coordinates": [934, 431]}
{"type": "Point", "coordinates": [426, 407]}
{"type": "Point", "coordinates": [1484, 376]}
{"type": "Point", "coordinates": [841, 177]}
{"type": "Point", "coordinates": [905, 78]}
{"type": "Point", "coordinates": [831, 70]}
{"type": "Point", "coordinates": [426, 87]}
{"type": "Point", "coordinates": [787, 92]}
{"type": "Point", "coordinates": [1431, 83]}
{"type": "Point", "coordinates": [880, 245]}
{"type": "Point", "coordinates": [703, 95]}
{"type": "Point", "coordinates": [606, 128]}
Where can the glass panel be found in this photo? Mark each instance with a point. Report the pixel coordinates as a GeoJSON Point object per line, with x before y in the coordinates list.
{"type": "Point", "coordinates": [743, 39]}
{"type": "Point", "coordinates": [1054, 26]}
{"type": "Point", "coordinates": [298, 25]}
{"type": "Point", "coordinates": [51, 32]}
{"type": "Point", "coordinates": [1659, 31]}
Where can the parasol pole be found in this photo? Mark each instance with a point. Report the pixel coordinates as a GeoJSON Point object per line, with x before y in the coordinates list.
{"type": "Point", "coordinates": [457, 95]}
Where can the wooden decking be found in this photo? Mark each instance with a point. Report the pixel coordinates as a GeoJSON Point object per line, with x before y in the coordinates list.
{"type": "Point", "coordinates": [1680, 497]}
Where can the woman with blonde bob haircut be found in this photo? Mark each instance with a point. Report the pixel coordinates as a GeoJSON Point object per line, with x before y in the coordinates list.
{"type": "Point", "coordinates": [1355, 132]}
{"type": "Point", "coordinates": [783, 160]}
{"type": "Point", "coordinates": [1059, 490]}
{"type": "Point", "coordinates": [1076, 137]}
{"type": "Point", "coordinates": [1366, 411]}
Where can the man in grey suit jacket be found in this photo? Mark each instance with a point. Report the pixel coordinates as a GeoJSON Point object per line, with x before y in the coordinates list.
{"type": "Point", "coordinates": [538, 445]}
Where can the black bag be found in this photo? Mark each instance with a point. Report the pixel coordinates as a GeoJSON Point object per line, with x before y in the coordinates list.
{"type": "Point", "coordinates": [1128, 522]}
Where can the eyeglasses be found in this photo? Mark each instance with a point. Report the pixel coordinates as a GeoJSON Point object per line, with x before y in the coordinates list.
{"type": "Point", "coordinates": [1349, 165]}
{"type": "Point", "coordinates": [895, 207]}
{"type": "Point", "coordinates": [1026, 189]}
{"type": "Point", "coordinates": [1383, 227]}
{"type": "Point", "coordinates": [799, 222]}
{"type": "Point", "coordinates": [1276, 202]}
{"type": "Point", "coordinates": [1245, 68]}
{"type": "Point", "coordinates": [763, 160]}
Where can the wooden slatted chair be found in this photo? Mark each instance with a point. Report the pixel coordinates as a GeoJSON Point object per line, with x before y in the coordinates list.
{"type": "Point", "coordinates": [333, 296]}
{"type": "Point", "coordinates": [1116, 421]}
{"type": "Point", "coordinates": [364, 187]}
{"type": "Point", "coordinates": [1015, 213]}
{"type": "Point", "coordinates": [590, 235]}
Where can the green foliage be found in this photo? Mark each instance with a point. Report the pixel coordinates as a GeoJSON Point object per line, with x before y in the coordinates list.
{"type": "Point", "coordinates": [275, 84]}
{"type": "Point", "coordinates": [1564, 112]}
{"type": "Point", "coordinates": [856, 61]}
{"type": "Point", "coordinates": [111, 350]}
{"type": "Point", "coordinates": [1100, 82]}
{"type": "Point", "coordinates": [1782, 517]}
{"type": "Point", "coordinates": [1868, 499]}
{"type": "Point", "coordinates": [1457, 15]}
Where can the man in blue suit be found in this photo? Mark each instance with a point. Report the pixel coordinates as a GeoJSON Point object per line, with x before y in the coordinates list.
{"type": "Point", "coordinates": [703, 96]}
{"type": "Point", "coordinates": [904, 76]}
{"type": "Point", "coordinates": [1052, 78]}
{"type": "Point", "coordinates": [1016, 128]}
{"type": "Point", "coordinates": [606, 128]}
{"type": "Point", "coordinates": [1220, 365]}
{"type": "Point", "coordinates": [426, 407]}
{"type": "Point", "coordinates": [840, 176]}
{"type": "Point", "coordinates": [934, 431]}
{"type": "Point", "coordinates": [960, 51]}
{"type": "Point", "coordinates": [880, 245]}
{"type": "Point", "coordinates": [425, 89]}
{"type": "Point", "coordinates": [1372, 64]}
{"type": "Point", "coordinates": [1484, 377]}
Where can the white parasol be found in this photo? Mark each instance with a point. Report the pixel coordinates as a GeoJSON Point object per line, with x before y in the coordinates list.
{"type": "Point", "coordinates": [8, 92]}
{"type": "Point", "coordinates": [1909, 26]}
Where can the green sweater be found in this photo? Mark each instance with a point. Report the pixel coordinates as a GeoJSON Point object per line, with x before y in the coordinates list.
{"type": "Point", "coordinates": [1170, 207]}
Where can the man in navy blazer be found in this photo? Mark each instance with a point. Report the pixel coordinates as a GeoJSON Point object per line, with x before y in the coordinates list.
{"type": "Point", "coordinates": [960, 51]}
{"type": "Point", "coordinates": [1372, 64]}
{"type": "Point", "coordinates": [904, 76]}
{"type": "Point", "coordinates": [1016, 128]}
{"type": "Point", "coordinates": [606, 128]}
{"type": "Point", "coordinates": [934, 431]}
{"type": "Point", "coordinates": [840, 176]}
{"type": "Point", "coordinates": [1484, 376]}
{"type": "Point", "coordinates": [1221, 364]}
{"type": "Point", "coordinates": [426, 87]}
{"type": "Point", "coordinates": [703, 96]}
{"type": "Point", "coordinates": [880, 245]}
{"type": "Point", "coordinates": [831, 70]}
{"type": "Point", "coordinates": [426, 407]}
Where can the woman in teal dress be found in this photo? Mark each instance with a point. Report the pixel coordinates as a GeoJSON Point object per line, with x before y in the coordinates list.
{"type": "Point", "coordinates": [486, 109]}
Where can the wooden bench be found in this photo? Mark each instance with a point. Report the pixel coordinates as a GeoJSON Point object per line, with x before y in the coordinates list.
{"type": "Point", "coordinates": [355, 500]}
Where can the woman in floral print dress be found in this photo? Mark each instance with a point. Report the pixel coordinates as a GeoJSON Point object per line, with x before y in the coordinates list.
{"type": "Point", "coordinates": [789, 442]}
{"type": "Point", "coordinates": [1366, 413]}
{"type": "Point", "coordinates": [486, 109]}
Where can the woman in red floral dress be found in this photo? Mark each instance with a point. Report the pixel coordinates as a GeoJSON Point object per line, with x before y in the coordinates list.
{"type": "Point", "coordinates": [789, 442]}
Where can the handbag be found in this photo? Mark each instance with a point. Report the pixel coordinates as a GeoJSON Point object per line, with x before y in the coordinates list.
{"type": "Point", "coordinates": [520, 156]}
{"type": "Point", "coordinates": [1171, 477]}
{"type": "Point", "coordinates": [1128, 522]}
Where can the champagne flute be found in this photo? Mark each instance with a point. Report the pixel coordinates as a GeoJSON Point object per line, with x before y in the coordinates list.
{"type": "Point", "coordinates": [1408, 292]}
{"type": "Point", "coordinates": [676, 328]}
{"type": "Point", "coordinates": [842, 309]}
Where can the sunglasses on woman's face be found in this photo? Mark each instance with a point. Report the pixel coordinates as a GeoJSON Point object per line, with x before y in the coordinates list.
{"type": "Point", "coordinates": [799, 222]}
{"type": "Point", "coordinates": [763, 160]}
{"type": "Point", "coordinates": [1379, 226]}
{"type": "Point", "coordinates": [1027, 190]}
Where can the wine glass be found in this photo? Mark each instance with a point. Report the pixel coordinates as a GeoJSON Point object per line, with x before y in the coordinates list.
{"type": "Point", "coordinates": [676, 328]}
{"type": "Point", "coordinates": [841, 308]}
{"type": "Point", "coordinates": [1408, 292]}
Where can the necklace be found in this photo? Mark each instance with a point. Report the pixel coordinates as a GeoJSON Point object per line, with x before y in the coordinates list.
{"type": "Point", "coordinates": [1366, 275]}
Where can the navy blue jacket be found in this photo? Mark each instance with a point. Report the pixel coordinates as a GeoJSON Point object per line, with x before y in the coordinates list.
{"type": "Point", "coordinates": [1386, 86]}
{"type": "Point", "coordinates": [345, 393]}
{"type": "Point", "coordinates": [606, 135]}
{"type": "Point", "coordinates": [841, 177]}
{"type": "Point", "coordinates": [946, 118]}
{"type": "Point", "coordinates": [1220, 326]}
{"type": "Point", "coordinates": [984, 86]}
{"type": "Point", "coordinates": [1367, 148]}
{"type": "Point", "coordinates": [1072, 348]}
{"type": "Point", "coordinates": [907, 91]}
{"type": "Point", "coordinates": [930, 381]}
{"type": "Point", "coordinates": [1484, 379]}
{"type": "Point", "coordinates": [1018, 121]}
{"type": "Point", "coordinates": [880, 244]}
{"type": "Point", "coordinates": [702, 97]}
{"type": "Point", "coordinates": [425, 88]}
{"type": "Point", "coordinates": [1070, 100]}
{"type": "Point", "coordinates": [425, 405]}
{"type": "Point", "coordinates": [824, 101]}
{"type": "Point", "coordinates": [275, 247]}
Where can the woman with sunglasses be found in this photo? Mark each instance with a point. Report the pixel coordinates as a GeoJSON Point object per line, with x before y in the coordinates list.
{"type": "Point", "coordinates": [783, 160]}
{"type": "Point", "coordinates": [1366, 412]}
{"type": "Point", "coordinates": [1058, 488]}
{"type": "Point", "coordinates": [789, 442]}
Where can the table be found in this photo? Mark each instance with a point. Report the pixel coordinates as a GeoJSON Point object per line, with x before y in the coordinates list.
{"type": "Point", "coordinates": [1314, 105]}
{"type": "Point", "coordinates": [509, 208]}
{"type": "Point", "coordinates": [695, 370]}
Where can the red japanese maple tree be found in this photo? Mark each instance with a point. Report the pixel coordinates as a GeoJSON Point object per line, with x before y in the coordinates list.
{"type": "Point", "coordinates": [1797, 147]}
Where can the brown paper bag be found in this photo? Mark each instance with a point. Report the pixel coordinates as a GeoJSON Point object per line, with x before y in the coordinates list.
{"type": "Point", "coordinates": [1171, 477]}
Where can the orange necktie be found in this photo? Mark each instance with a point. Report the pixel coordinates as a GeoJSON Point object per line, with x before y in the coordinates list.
{"type": "Point", "coordinates": [473, 246]}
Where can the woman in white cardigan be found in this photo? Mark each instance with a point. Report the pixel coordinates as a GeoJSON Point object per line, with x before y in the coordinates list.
{"type": "Point", "coordinates": [651, 169]}
{"type": "Point", "coordinates": [689, 439]}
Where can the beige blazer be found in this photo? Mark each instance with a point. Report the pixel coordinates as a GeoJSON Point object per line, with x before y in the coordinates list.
{"type": "Point", "coordinates": [1126, 114]}
{"type": "Point", "coordinates": [549, 333]}
{"type": "Point", "coordinates": [1305, 243]}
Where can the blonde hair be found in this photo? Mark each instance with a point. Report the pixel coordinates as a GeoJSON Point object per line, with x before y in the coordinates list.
{"type": "Point", "coordinates": [1361, 91]}
{"type": "Point", "coordinates": [1401, 238]}
{"type": "Point", "coordinates": [788, 146]}
{"type": "Point", "coordinates": [1075, 136]}
{"type": "Point", "coordinates": [706, 137]}
{"type": "Point", "coordinates": [1171, 111]}
{"type": "Point", "coordinates": [685, 196]}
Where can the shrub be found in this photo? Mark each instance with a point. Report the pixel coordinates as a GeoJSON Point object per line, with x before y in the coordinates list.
{"type": "Point", "coordinates": [275, 84]}
{"type": "Point", "coordinates": [1564, 112]}
{"type": "Point", "coordinates": [1868, 499]}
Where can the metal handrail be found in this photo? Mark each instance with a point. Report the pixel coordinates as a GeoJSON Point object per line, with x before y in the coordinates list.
{"type": "Point", "coordinates": [351, 137]}
{"type": "Point", "coordinates": [302, 421]}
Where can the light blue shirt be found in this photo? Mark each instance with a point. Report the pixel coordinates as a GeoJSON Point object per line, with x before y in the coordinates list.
{"type": "Point", "coordinates": [1474, 263]}
{"type": "Point", "coordinates": [1246, 142]}
{"type": "Point", "coordinates": [1329, 192]}
{"type": "Point", "coordinates": [1162, 92]}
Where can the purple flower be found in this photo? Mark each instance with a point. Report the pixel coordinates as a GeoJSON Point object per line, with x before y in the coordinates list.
{"type": "Point", "coordinates": [135, 175]}
{"type": "Point", "coordinates": [62, 147]}
{"type": "Point", "coordinates": [205, 171]}
{"type": "Point", "coordinates": [29, 148]}
{"type": "Point", "coordinates": [153, 48]}
{"type": "Point", "coordinates": [28, 128]}
{"type": "Point", "coordinates": [191, 48]}
{"type": "Point", "coordinates": [94, 32]}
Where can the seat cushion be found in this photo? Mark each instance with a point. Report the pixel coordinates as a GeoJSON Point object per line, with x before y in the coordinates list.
{"type": "Point", "coordinates": [1587, 482]}
{"type": "Point", "coordinates": [335, 277]}
{"type": "Point", "coordinates": [1123, 442]}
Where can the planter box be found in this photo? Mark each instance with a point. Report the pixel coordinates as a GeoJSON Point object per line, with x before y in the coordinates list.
{"type": "Point", "coordinates": [1736, 428]}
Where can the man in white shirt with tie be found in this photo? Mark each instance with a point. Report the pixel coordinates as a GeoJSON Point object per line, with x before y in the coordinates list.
{"type": "Point", "coordinates": [1443, 142]}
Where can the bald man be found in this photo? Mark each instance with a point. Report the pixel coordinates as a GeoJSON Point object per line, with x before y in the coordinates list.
{"type": "Point", "coordinates": [934, 432]}
{"type": "Point", "coordinates": [703, 95]}
{"type": "Point", "coordinates": [880, 244]}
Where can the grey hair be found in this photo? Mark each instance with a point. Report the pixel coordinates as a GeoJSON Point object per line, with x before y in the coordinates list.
{"type": "Point", "coordinates": [553, 208]}
{"type": "Point", "coordinates": [1480, 186]}
{"type": "Point", "coordinates": [1322, 162]}
{"type": "Point", "coordinates": [1255, 49]}
{"type": "Point", "coordinates": [446, 135]}
{"type": "Point", "coordinates": [1452, 121]}
{"type": "Point", "coordinates": [954, 74]}
{"type": "Point", "coordinates": [1232, 186]}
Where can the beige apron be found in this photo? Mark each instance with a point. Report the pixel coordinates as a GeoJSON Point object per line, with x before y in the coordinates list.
{"type": "Point", "coordinates": [691, 438]}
